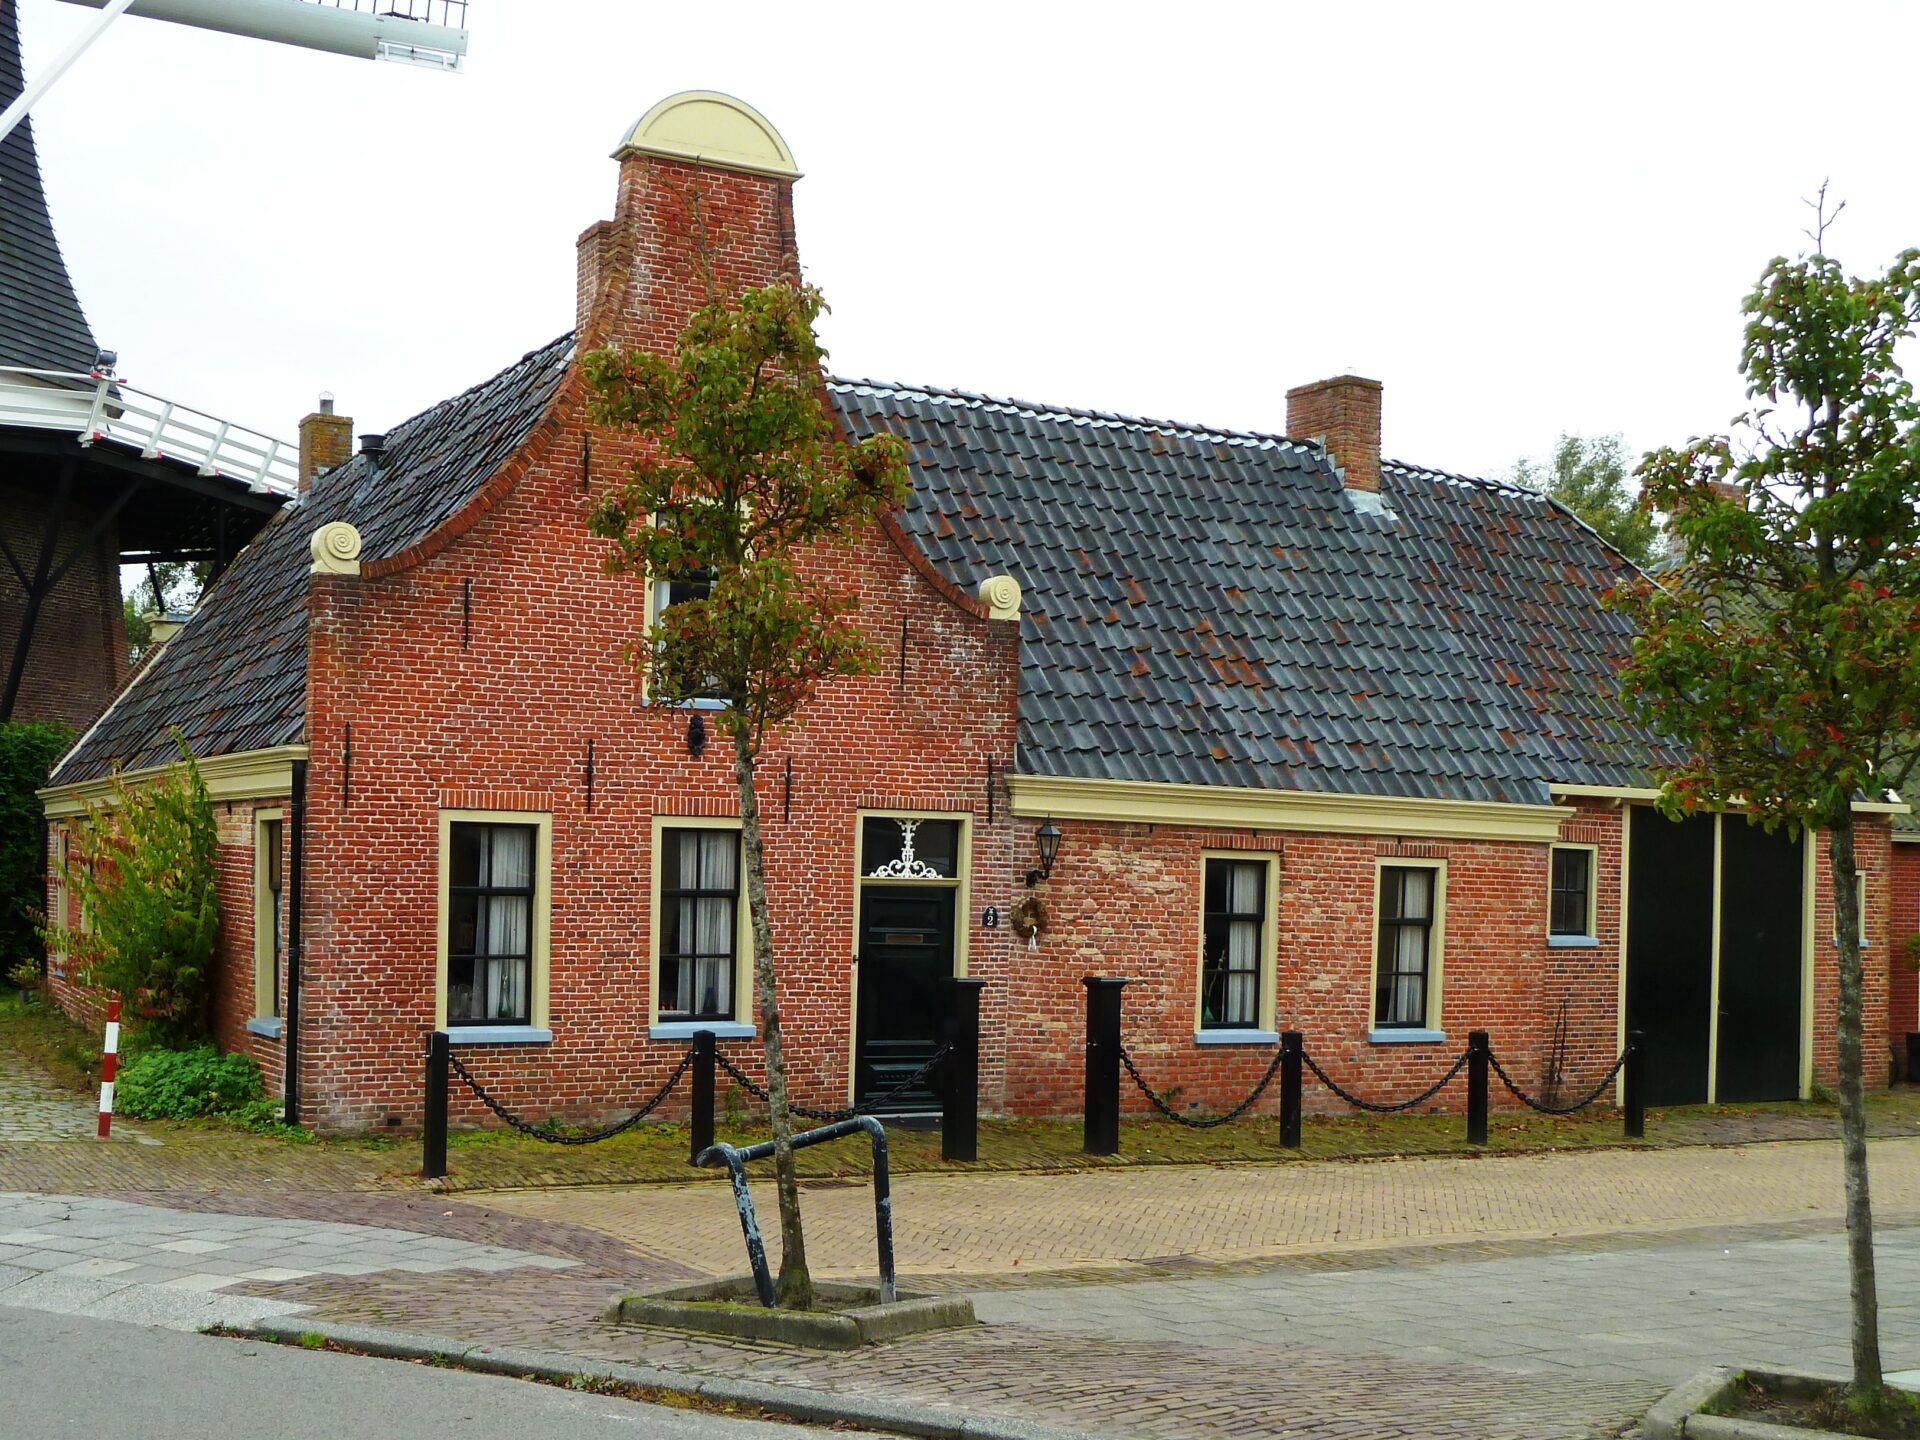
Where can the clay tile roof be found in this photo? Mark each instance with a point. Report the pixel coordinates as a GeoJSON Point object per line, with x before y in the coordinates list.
{"type": "Point", "coordinates": [235, 677]}
{"type": "Point", "coordinates": [1207, 607]}
{"type": "Point", "coordinates": [41, 324]}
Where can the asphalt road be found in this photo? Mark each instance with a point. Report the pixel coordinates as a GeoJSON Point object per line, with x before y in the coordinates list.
{"type": "Point", "coordinates": [67, 1375]}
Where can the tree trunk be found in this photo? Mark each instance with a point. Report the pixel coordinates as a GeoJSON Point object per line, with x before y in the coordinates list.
{"type": "Point", "coordinates": [794, 1289]}
{"type": "Point", "coordinates": [1853, 1114]}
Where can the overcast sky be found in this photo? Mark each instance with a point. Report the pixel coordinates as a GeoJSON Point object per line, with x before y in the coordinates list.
{"type": "Point", "coordinates": [1523, 219]}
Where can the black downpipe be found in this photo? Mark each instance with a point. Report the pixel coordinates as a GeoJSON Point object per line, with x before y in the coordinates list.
{"type": "Point", "coordinates": [290, 1022]}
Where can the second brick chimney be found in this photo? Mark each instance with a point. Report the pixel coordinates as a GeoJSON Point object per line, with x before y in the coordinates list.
{"type": "Point", "coordinates": [1344, 414]}
{"type": "Point", "coordinates": [326, 440]}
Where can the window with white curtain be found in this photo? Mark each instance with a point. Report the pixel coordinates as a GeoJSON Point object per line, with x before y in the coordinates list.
{"type": "Point", "coordinates": [1232, 947]}
{"type": "Point", "coordinates": [1404, 970]}
{"type": "Point", "coordinates": [699, 923]}
{"type": "Point", "coordinates": [490, 924]}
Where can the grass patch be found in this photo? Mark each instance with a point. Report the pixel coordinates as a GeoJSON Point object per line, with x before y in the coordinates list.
{"type": "Point", "coordinates": [42, 1034]}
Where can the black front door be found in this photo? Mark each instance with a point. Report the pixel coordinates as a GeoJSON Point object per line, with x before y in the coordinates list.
{"type": "Point", "coordinates": [1670, 950]}
{"type": "Point", "coordinates": [1761, 880]}
{"type": "Point", "coordinates": [906, 950]}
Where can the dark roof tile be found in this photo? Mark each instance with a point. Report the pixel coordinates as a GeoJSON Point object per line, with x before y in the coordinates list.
{"type": "Point", "coordinates": [1207, 607]}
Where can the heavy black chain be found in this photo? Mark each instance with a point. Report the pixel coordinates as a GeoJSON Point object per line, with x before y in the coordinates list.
{"type": "Point", "coordinates": [1375, 1106]}
{"type": "Point", "coordinates": [1545, 1109]}
{"type": "Point", "coordinates": [829, 1117]}
{"type": "Point", "coordinates": [539, 1132]}
{"type": "Point", "coordinates": [1196, 1122]}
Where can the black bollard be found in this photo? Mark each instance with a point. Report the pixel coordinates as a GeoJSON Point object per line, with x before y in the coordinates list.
{"type": "Point", "coordinates": [700, 1117]}
{"type": "Point", "coordinates": [1636, 1085]}
{"type": "Point", "coordinates": [433, 1131]}
{"type": "Point", "coordinates": [1101, 1133]}
{"type": "Point", "coordinates": [1477, 1052]}
{"type": "Point", "coordinates": [960, 1072]}
{"type": "Point", "coordinates": [1290, 1051]}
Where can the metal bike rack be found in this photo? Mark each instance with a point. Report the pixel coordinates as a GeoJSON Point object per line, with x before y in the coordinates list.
{"type": "Point", "coordinates": [737, 1157]}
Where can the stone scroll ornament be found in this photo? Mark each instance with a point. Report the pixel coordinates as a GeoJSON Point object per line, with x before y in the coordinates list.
{"type": "Point", "coordinates": [1029, 919]}
{"type": "Point", "coordinates": [336, 549]}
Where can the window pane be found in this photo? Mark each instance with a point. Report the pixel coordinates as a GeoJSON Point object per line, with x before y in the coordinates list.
{"type": "Point", "coordinates": [1572, 880]}
{"type": "Point", "coordinates": [1234, 912]}
{"type": "Point", "coordinates": [883, 846]}
{"type": "Point", "coordinates": [699, 922]}
{"type": "Point", "coordinates": [464, 863]}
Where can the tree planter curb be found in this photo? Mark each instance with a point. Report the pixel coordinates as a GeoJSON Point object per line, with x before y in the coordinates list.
{"type": "Point", "coordinates": [1676, 1415]}
{"type": "Point", "coordinates": [796, 1402]}
{"type": "Point", "coordinates": [864, 1320]}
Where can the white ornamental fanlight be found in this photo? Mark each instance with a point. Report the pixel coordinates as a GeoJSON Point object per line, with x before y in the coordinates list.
{"type": "Point", "coordinates": [905, 866]}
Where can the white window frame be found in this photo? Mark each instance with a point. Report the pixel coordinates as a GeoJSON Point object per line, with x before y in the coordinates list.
{"type": "Point", "coordinates": [540, 946]}
{"type": "Point", "coordinates": [1590, 936]}
{"type": "Point", "coordinates": [266, 978]}
{"type": "Point", "coordinates": [1263, 1031]}
{"type": "Point", "coordinates": [742, 1026]}
{"type": "Point", "coordinates": [1432, 1032]}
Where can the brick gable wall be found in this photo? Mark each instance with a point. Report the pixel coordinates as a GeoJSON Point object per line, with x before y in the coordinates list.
{"type": "Point", "coordinates": [443, 716]}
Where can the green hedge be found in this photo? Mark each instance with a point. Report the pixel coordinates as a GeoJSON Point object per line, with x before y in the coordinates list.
{"type": "Point", "coordinates": [28, 749]}
{"type": "Point", "coordinates": [186, 1084]}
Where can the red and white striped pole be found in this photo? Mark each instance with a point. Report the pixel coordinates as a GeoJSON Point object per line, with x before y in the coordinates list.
{"type": "Point", "coordinates": [109, 1063]}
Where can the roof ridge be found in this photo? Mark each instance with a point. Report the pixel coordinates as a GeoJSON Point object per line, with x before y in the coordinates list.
{"type": "Point", "coordinates": [1039, 409]}
{"type": "Point", "coordinates": [1505, 487]}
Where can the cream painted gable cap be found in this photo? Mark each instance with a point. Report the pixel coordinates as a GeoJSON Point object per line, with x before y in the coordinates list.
{"type": "Point", "coordinates": [712, 129]}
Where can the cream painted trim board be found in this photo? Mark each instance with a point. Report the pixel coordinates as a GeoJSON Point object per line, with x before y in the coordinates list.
{"type": "Point", "coordinates": [542, 943]}
{"type": "Point", "coordinates": [744, 1012]}
{"type": "Point", "coordinates": [1436, 939]}
{"type": "Point", "coordinates": [1266, 1006]}
{"type": "Point", "coordinates": [1640, 792]}
{"type": "Point", "coordinates": [266, 975]}
{"type": "Point", "coordinates": [1713, 975]}
{"type": "Point", "coordinates": [248, 775]}
{"type": "Point", "coordinates": [1153, 803]}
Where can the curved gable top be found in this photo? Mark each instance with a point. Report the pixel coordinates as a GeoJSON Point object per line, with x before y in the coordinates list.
{"type": "Point", "coordinates": [713, 129]}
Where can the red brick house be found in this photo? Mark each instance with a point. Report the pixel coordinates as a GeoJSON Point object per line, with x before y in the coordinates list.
{"type": "Point", "coordinates": [1330, 742]}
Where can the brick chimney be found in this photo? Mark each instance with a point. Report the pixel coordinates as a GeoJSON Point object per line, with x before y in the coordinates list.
{"type": "Point", "coordinates": [326, 440]}
{"type": "Point", "coordinates": [1344, 414]}
{"type": "Point", "coordinates": [705, 203]}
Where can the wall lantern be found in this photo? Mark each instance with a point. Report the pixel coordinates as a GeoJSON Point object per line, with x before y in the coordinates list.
{"type": "Point", "coordinates": [696, 733]}
{"type": "Point", "coordinates": [1049, 840]}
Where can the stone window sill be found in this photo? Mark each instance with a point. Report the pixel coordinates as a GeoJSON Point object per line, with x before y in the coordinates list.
{"type": "Point", "coordinates": [1407, 1037]}
{"type": "Point", "coordinates": [686, 1029]}
{"type": "Point", "coordinates": [498, 1035]}
{"type": "Point", "coordinates": [1236, 1037]}
{"type": "Point", "coordinates": [270, 1027]}
{"type": "Point", "coordinates": [1573, 942]}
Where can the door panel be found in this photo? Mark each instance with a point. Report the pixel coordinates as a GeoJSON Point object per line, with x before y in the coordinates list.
{"type": "Point", "coordinates": [1670, 950]}
{"type": "Point", "coordinates": [906, 950]}
{"type": "Point", "coordinates": [1761, 883]}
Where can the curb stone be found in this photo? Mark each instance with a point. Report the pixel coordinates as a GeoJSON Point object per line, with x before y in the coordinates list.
{"type": "Point", "coordinates": [794, 1402]}
{"type": "Point", "coordinates": [1667, 1419]}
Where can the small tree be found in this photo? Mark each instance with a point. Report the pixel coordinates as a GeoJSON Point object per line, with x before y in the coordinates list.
{"type": "Point", "coordinates": [743, 476]}
{"type": "Point", "coordinates": [1589, 477]}
{"type": "Point", "coordinates": [1787, 657]}
{"type": "Point", "coordinates": [143, 867]}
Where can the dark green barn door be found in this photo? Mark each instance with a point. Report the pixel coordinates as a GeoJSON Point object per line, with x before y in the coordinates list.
{"type": "Point", "coordinates": [906, 950]}
{"type": "Point", "coordinates": [1758, 1046]}
{"type": "Point", "coordinates": [1670, 950]}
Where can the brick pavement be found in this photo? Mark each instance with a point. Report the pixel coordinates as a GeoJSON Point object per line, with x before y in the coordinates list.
{"type": "Point", "coordinates": [954, 1225]}
{"type": "Point", "coordinates": [31, 1110]}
